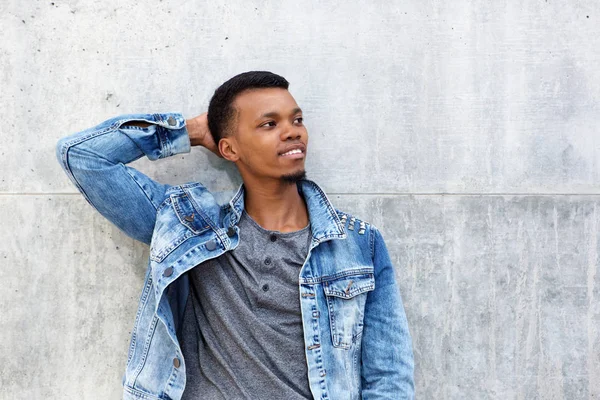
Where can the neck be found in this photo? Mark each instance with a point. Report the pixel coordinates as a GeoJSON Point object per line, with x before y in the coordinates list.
{"type": "Point", "coordinates": [275, 205]}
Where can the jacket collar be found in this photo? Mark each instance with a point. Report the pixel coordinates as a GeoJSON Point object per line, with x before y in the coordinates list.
{"type": "Point", "coordinates": [324, 220]}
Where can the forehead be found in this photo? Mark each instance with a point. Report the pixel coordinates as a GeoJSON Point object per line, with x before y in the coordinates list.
{"type": "Point", "coordinates": [253, 103]}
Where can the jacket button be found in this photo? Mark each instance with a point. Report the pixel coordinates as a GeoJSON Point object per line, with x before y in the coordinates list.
{"type": "Point", "coordinates": [231, 231]}
{"type": "Point", "coordinates": [211, 245]}
{"type": "Point", "coordinates": [176, 362]}
{"type": "Point", "coordinates": [171, 121]}
{"type": "Point", "coordinates": [168, 272]}
{"type": "Point", "coordinates": [268, 261]}
{"type": "Point", "coordinates": [273, 237]}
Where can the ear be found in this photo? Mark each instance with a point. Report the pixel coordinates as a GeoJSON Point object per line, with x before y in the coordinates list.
{"type": "Point", "coordinates": [228, 149]}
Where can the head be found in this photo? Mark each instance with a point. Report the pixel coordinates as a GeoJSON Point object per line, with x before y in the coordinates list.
{"type": "Point", "coordinates": [256, 122]}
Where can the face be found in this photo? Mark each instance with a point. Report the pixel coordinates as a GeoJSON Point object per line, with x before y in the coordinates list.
{"type": "Point", "coordinates": [270, 140]}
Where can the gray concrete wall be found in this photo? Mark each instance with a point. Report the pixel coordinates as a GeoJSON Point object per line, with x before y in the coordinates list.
{"type": "Point", "coordinates": [468, 131]}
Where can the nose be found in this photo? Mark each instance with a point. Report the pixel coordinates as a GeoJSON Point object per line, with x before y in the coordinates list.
{"type": "Point", "coordinates": [291, 133]}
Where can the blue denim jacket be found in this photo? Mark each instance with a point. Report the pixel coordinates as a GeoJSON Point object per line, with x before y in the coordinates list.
{"type": "Point", "coordinates": [357, 341]}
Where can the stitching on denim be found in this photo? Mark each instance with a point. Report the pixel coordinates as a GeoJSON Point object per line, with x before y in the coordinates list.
{"type": "Point", "coordinates": [127, 170]}
{"type": "Point", "coordinates": [332, 321]}
{"type": "Point", "coordinates": [327, 278]}
{"type": "Point", "coordinates": [179, 213]}
{"type": "Point", "coordinates": [65, 155]}
{"type": "Point", "coordinates": [166, 149]}
{"type": "Point", "coordinates": [142, 363]}
{"type": "Point", "coordinates": [372, 232]}
{"type": "Point", "coordinates": [142, 305]}
{"type": "Point", "coordinates": [139, 394]}
{"type": "Point", "coordinates": [200, 211]}
{"type": "Point", "coordinates": [353, 293]}
{"type": "Point", "coordinates": [160, 256]}
{"type": "Point", "coordinates": [164, 203]}
{"type": "Point", "coordinates": [330, 208]}
{"type": "Point", "coordinates": [336, 338]}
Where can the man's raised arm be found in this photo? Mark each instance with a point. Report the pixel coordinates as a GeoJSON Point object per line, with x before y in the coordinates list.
{"type": "Point", "coordinates": [95, 160]}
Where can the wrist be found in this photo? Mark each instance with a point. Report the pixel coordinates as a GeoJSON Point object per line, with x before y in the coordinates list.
{"type": "Point", "coordinates": [194, 132]}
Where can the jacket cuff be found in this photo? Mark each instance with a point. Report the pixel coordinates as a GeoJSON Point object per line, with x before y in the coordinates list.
{"type": "Point", "coordinates": [173, 134]}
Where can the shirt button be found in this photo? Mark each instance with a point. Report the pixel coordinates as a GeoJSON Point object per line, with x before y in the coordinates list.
{"type": "Point", "coordinates": [273, 238]}
{"type": "Point", "coordinates": [211, 245]}
{"type": "Point", "coordinates": [171, 121]}
{"type": "Point", "coordinates": [265, 287]}
{"type": "Point", "coordinates": [168, 272]}
{"type": "Point", "coordinates": [268, 261]}
{"type": "Point", "coordinates": [176, 362]}
{"type": "Point", "coordinates": [231, 231]}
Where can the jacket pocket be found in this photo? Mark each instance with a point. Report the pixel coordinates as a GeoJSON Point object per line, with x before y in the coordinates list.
{"type": "Point", "coordinates": [176, 222]}
{"type": "Point", "coordinates": [346, 298]}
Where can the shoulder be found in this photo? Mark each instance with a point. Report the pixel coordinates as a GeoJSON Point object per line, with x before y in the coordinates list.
{"type": "Point", "coordinates": [352, 223]}
{"type": "Point", "coordinates": [357, 229]}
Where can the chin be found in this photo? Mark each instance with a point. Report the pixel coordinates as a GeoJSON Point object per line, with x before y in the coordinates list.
{"type": "Point", "coordinates": [294, 176]}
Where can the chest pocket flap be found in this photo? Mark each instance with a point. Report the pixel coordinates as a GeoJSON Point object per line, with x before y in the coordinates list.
{"type": "Point", "coordinates": [176, 222]}
{"type": "Point", "coordinates": [350, 286]}
{"type": "Point", "coordinates": [346, 298]}
{"type": "Point", "coordinates": [187, 215]}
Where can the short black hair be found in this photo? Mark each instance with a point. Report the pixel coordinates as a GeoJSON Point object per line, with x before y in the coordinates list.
{"type": "Point", "coordinates": [221, 113]}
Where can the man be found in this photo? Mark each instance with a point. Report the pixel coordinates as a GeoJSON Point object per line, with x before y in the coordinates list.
{"type": "Point", "coordinates": [274, 295]}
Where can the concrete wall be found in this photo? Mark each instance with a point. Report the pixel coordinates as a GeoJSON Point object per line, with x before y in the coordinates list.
{"type": "Point", "coordinates": [467, 131]}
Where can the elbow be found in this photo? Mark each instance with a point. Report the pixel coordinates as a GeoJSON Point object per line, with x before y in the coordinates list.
{"type": "Point", "coordinates": [61, 151]}
{"type": "Point", "coordinates": [64, 150]}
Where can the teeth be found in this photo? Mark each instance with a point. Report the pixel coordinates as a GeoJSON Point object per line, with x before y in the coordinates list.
{"type": "Point", "coordinates": [297, 151]}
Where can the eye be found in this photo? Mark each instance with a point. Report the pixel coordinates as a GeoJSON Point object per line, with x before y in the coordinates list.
{"type": "Point", "coordinates": [268, 122]}
{"type": "Point", "coordinates": [300, 119]}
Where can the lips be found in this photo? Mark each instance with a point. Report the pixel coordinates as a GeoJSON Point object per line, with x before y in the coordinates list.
{"type": "Point", "coordinates": [289, 153]}
{"type": "Point", "coordinates": [296, 150]}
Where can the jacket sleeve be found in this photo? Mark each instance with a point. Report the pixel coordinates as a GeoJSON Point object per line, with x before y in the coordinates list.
{"type": "Point", "coordinates": [387, 354]}
{"type": "Point", "coordinates": [95, 161]}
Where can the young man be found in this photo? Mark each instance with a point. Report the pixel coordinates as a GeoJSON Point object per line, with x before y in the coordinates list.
{"type": "Point", "coordinates": [274, 295]}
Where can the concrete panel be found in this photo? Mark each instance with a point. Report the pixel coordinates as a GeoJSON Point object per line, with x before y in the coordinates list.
{"type": "Point", "coordinates": [416, 96]}
{"type": "Point", "coordinates": [501, 294]}
{"type": "Point", "coordinates": [70, 287]}
{"type": "Point", "coordinates": [438, 101]}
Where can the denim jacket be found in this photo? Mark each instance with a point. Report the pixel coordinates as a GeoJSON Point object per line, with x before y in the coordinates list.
{"type": "Point", "coordinates": [356, 336]}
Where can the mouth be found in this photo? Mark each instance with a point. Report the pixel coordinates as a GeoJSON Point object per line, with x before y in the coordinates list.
{"type": "Point", "coordinates": [294, 152]}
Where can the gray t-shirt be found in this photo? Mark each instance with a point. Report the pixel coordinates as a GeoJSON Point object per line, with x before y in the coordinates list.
{"type": "Point", "coordinates": [242, 335]}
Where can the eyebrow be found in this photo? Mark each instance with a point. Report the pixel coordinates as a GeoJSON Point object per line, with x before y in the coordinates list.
{"type": "Point", "coordinates": [273, 114]}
